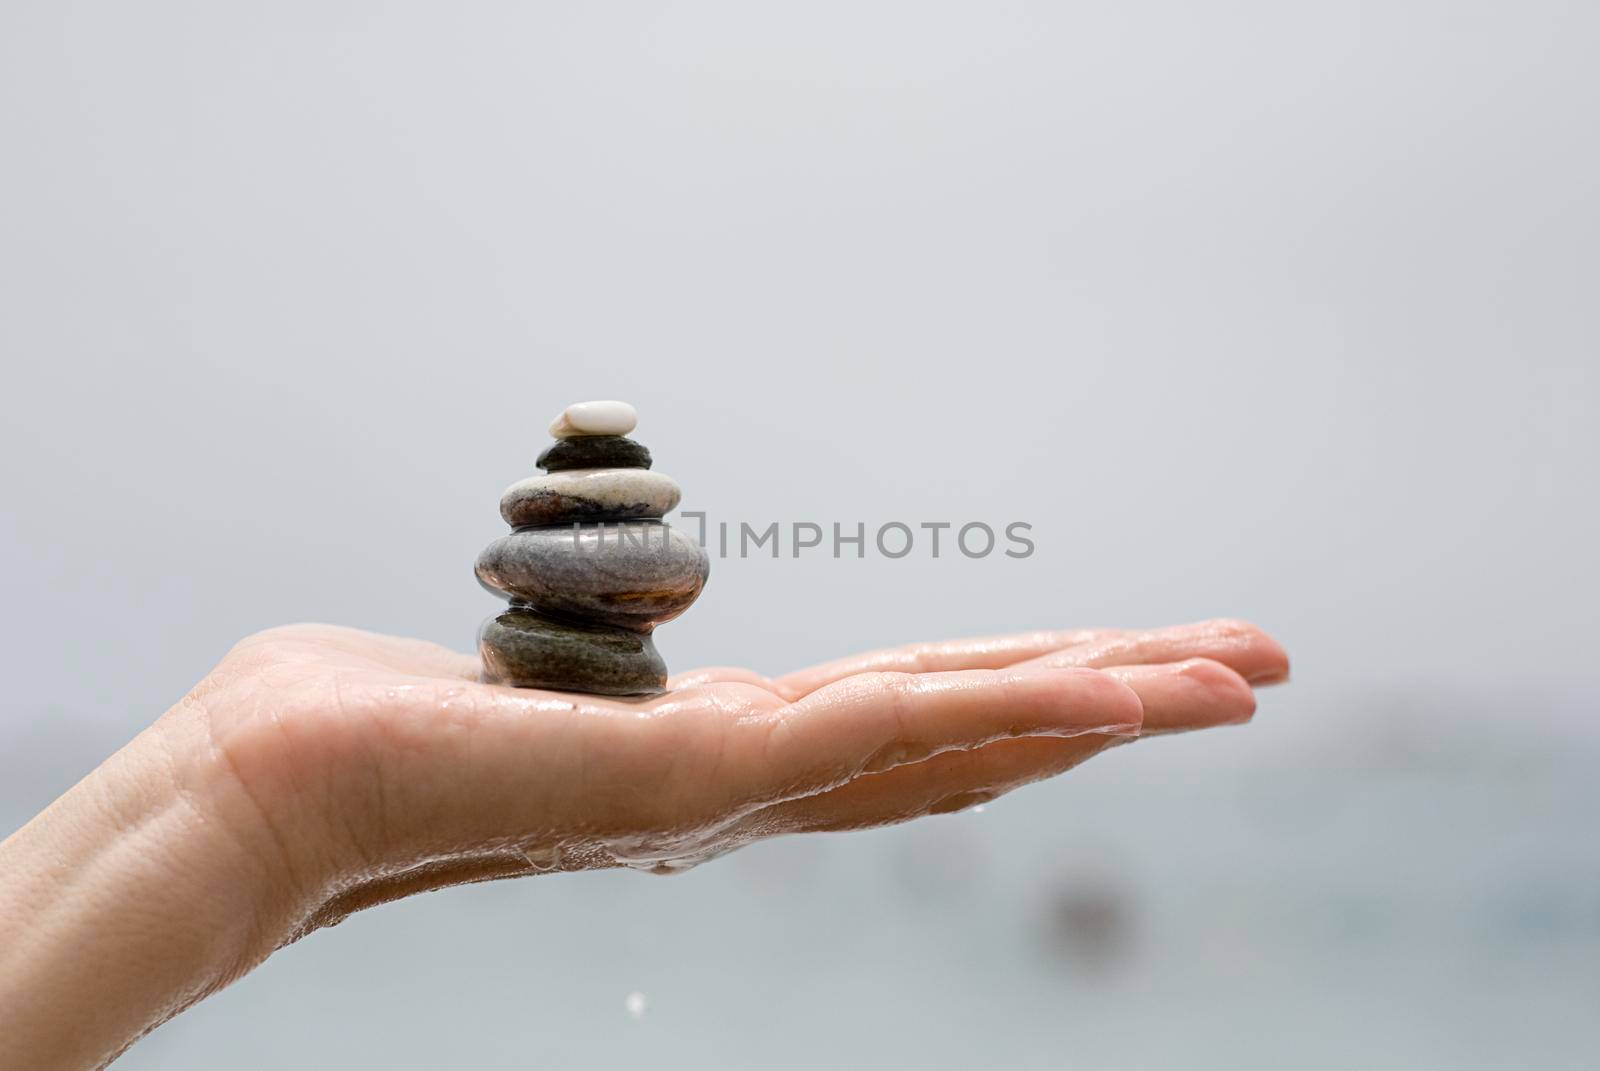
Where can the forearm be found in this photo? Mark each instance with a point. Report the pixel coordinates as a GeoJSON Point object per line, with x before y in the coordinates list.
{"type": "Point", "coordinates": [125, 901]}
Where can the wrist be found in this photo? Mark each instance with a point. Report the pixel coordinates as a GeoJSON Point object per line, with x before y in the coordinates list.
{"type": "Point", "coordinates": [132, 896]}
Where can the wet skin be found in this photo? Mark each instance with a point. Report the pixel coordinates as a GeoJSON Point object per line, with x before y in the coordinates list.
{"type": "Point", "coordinates": [320, 770]}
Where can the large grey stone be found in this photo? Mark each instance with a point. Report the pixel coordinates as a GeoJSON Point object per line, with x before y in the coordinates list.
{"type": "Point", "coordinates": [636, 574]}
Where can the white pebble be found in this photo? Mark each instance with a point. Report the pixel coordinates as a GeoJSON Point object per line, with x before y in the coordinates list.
{"type": "Point", "coordinates": [595, 418]}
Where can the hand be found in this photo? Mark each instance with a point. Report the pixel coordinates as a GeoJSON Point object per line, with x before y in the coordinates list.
{"type": "Point", "coordinates": [320, 770]}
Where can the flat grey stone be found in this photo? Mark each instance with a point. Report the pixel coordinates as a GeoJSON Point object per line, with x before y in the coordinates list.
{"type": "Point", "coordinates": [588, 495]}
{"type": "Point", "coordinates": [526, 650]}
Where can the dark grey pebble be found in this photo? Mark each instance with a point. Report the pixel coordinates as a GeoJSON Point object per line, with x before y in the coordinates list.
{"type": "Point", "coordinates": [594, 452]}
{"type": "Point", "coordinates": [636, 574]}
{"type": "Point", "coordinates": [526, 650]}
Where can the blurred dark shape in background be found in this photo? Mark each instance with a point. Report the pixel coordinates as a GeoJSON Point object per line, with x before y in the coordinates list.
{"type": "Point", "coordinates": [1089, 921]}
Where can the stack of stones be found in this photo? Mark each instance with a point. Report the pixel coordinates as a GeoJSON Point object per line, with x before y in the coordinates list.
{"type": "Point", "coordinates": [589, 567]}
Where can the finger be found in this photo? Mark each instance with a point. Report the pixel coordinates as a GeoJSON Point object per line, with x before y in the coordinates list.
{"type": "Point", "coordinates": [879, 721]}
{"type": "Point", "coordinates": [987, 652]}
{"type": "Point", "coordinates": [719, 675]}
{"type": "Point", "coordinates": [1239, 645]}
{"type": "Point", "coordinates": [942, 784]}
{"type": "Point", "coordinates": [1194, 694]}
{"type": "Point", "coordinates": [1187, 695]}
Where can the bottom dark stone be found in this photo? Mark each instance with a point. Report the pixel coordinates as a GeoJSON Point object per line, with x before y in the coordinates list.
{"type": "Point", "coordinates": [526, 650]}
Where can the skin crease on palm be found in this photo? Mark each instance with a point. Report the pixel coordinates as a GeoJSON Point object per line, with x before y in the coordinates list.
{"type": "Point", "coordinates": [320, 770]}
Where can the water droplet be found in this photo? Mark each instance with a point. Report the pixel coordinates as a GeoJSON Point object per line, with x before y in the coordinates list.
{"type": "Point", "coordinates": [978, 809]}
{"type": "Point", "coordinates": [636, 1005]}
{"type": "Point", "coordinates": [543, 859]}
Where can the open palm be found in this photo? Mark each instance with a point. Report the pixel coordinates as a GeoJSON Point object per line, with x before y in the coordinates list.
{"type": "Point", "coordinates": [384, 767]}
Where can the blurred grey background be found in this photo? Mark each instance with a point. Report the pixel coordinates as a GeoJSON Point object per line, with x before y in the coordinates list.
{"type": "Point", "coordinates": [1277, 311]}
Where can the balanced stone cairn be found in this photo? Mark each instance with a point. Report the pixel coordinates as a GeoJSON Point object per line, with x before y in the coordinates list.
{"type": "Point", "coordinates": [589, 567]}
